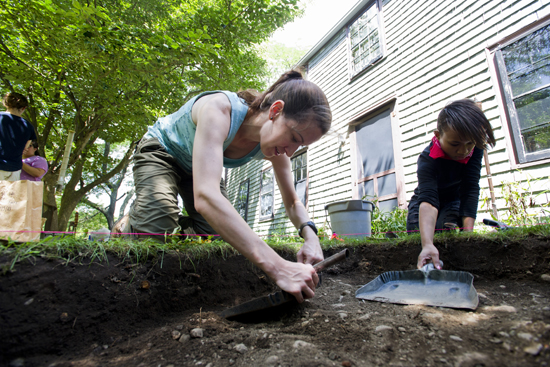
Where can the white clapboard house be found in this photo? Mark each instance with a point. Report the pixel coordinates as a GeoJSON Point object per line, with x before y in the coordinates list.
{"type": "Point", "coordinates": [388, 67]}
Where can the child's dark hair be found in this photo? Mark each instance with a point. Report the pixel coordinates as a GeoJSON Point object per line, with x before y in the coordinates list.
{"type": "Point", "coordinates": [304, 101]}
{"type": "Point", "coordinates": [467, 119]}
{"type": "Point", "coordinates": [15, 100]}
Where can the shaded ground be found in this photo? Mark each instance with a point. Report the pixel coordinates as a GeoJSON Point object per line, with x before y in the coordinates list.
{"type": "Point", "coordinates": [59, 314]}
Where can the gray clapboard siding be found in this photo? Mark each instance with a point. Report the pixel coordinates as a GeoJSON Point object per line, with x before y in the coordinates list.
{"type": "Point", "coordinates": [435, 53]}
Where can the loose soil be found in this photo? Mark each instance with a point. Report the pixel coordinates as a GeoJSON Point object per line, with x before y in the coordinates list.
{"type": "Point", "coordinates": [119, 313]}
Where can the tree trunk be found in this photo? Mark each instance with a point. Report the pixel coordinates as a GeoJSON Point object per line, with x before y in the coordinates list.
{"type": "Point", "coordinates": [127, 199]}
{"type": "Point", "coordinates": [71, 197]}
{"type": "Point", "coordinates": [114, 187]}
{"type": "Point", "coordinates": [49, 210]}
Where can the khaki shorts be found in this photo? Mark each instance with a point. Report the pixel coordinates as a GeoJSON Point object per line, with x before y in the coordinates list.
{"type": "Point", "coordinates": [10, 176]}
{"type": "Point", "coordinates": [158, 180]}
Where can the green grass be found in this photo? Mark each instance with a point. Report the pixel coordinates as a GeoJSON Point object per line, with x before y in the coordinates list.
{"type": "Point", "coordinates": [81, 251]}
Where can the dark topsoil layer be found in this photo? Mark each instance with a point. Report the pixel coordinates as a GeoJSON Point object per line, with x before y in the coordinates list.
{"type": "Point", "coordinates": [103, 314]}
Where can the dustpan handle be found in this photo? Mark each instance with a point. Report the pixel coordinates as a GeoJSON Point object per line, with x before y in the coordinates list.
{"type": "Point", "coordinates": [334, 259]}
{"type": "Point", "coordinates": [430, 266]}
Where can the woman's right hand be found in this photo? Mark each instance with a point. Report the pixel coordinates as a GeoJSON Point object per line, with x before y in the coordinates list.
{"type": "Point", "coordinates": [297, 279]}
{"type": "Point", "coordinates": [429, 253]}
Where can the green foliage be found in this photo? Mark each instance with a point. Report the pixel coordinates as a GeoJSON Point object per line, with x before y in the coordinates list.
{"type": "Point", "coordinates": [109, 68]}
{"type": "Point", "coordinates": [278, 238]}
{"type": "Point", "coordinates": [280, 58]}
{"type": "Point", "coordinates": [88, 220]}
{"type": "Point", "coordinates": [385, 222]}
{"type": "Point", "coordinates": [521, 202]}
{"type": "Point", "coordinates": [382, 223]}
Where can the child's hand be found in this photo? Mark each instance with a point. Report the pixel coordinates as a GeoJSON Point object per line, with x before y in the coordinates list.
{"type": "Point", "coordinates": [429, 254]}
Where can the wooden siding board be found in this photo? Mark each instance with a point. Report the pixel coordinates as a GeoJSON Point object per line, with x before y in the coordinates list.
{"type": "Point", "coordinates": [412, 70]}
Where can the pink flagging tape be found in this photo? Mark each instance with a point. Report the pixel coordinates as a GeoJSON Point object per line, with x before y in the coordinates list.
{"type": "Point", "coordinates": [110, 233]}
{"type": "Point", "coordinates": [217, 235]}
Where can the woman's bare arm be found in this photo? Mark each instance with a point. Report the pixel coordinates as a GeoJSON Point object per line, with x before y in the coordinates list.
{"type": "Point", "coordinates": [34, 172]}
{"type": "Point", "coordinates": [213, 121]}
{"type": "Point", "coordinates": [311, 252]}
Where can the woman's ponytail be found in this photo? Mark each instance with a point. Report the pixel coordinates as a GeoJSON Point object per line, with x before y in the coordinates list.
{"type": "Point", "coordinates": [304, 101]}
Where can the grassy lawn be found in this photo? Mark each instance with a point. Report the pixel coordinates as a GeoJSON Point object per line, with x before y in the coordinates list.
{"type": "Point", "coordinates": [71, 249]}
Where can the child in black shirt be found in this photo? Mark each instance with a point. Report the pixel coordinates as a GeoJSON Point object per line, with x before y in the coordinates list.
{"type": "Point", "coordinates": [448, 175]}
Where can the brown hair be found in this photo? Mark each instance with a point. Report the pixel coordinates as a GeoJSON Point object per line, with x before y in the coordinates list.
{"type": "Point", "coordinates": [15, 100]}
{"type": "Point", "coordinates": [304, 101]}
{"type": "Point", "coordinates": [467, 119]}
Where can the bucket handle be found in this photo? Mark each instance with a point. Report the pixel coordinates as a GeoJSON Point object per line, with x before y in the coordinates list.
{"type": "Point", "coordinates": [327, 221]}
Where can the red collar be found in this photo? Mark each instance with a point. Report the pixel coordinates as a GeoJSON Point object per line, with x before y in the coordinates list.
{"type": "Point", "coordinates": [437, 152]}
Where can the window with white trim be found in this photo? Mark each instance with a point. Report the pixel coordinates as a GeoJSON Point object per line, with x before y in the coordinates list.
{"type": "Point", "coordinates": [365, 41]}
{"type": "Point", "coordinates": [267, 191]}
{"type": "Point", "coordinates": [299, 171]}
{"type": "Point", "coordinates": [242, 199]}
{"type": "Point", "coordinates": [524, 71]}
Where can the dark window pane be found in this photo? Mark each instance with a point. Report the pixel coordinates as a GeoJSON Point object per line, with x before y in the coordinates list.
{"type": "Point", "coordinates": [387, 205]}
{"type": "Point", "coordinates": [533, 109]}
{"type": "Point", "coordinates": [242, 199]}
{"type": "Point", "coordinates": [527, 61]}
{"type": "Point", "coordinates": [375, 144]}
{"type": "Point", "coordinates": [364, 46]}
{"type": "Point", "coordinates": [533, 78]}
{"type": "Point", "coordinates": [537, 139]}
{"type": "Point", "coordinates": [266, 202]}
{"type": "Point", "coordinates": [387, 185]}
{"type": "Point", "coordinates": [301, 191]}
{"type": "Point", "coordinates": [368, 189]}
{"type": "Point", "coordinates": [300, 175]}
{"type": "Point", "coordinates": [374, 37]}
{"type": "Point", "coordinates": [363, 32]}
{"type": "Point", "coordinates": [267, 180]}
{"type": "Point", "coordinates": [355, 37]}
{"type": "Point", "coordinates": [364, 39]}
{"type": "Point", "coordinates": [527, 51]}
{"type": "Point", "coordinates": [266, 194]}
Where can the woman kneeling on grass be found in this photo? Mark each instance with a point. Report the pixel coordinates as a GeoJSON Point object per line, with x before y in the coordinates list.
{"type": "Point", "coordinates": [186, 151]}
{"type": "Point", "coordinates": [448, 172]}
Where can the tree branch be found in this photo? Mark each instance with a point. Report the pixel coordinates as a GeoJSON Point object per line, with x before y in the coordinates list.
{"type": "Point", "coordinates": [93, 205]}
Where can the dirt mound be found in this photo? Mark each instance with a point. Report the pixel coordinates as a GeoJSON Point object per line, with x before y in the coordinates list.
{"type": "Point", "coordinates": [122, 314]}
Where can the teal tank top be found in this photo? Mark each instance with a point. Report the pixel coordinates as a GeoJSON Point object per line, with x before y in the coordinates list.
{"type": "Point", "coordinates": [176, 132]}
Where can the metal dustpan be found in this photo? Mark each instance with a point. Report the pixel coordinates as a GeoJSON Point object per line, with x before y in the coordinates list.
{"type": "Point", "coordinates": [427, 286]}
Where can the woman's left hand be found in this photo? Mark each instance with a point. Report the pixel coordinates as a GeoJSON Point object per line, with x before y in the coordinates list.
{"type": "Point", "coordinates": [311, 252]}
